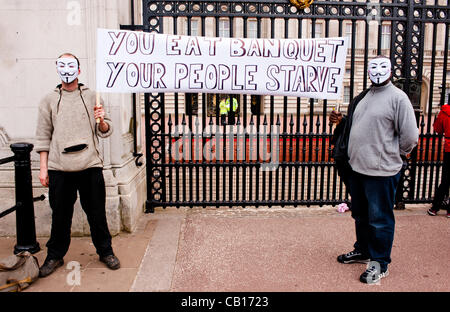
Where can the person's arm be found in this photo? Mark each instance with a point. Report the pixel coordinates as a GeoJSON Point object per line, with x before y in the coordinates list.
{"type": "Point", "coordinates": [99, 113]}
{"type": "Point", "coordinates": [104, 127]}
{"type": "Point", "coordinates": [44, 132]}
{"type": "Point", "coordinates": [43, 168]}
{"type": "Point", "coordinates": [406, 127]}
{"type": "Point", "coordinates": [336, 117]}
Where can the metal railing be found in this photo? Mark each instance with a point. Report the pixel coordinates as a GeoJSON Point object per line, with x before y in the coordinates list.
{"type": "Point", "coordinates": [24, 207]}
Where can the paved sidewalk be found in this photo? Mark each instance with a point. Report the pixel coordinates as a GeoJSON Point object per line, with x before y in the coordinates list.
{"type": "Point", "coordinates": [265, 249]}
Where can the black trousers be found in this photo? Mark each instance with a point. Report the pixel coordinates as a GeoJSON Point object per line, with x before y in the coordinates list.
{"type": "Point", "coordinates": [63, 187]}
{"type": "Point", "coordinates": [443, 188]}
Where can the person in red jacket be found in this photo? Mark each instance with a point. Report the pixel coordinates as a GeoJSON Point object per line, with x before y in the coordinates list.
{"type": "Point", "coordinates": [442, 125]}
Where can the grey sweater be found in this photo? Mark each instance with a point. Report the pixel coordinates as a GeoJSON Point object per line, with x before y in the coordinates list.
{"type": "Point", "coordinates": [67, 124]}
{"type": "Point", "coordinates": [383, 128]}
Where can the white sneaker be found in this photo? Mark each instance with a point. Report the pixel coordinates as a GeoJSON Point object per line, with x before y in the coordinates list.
{"type": "Point", "coordinates": [373, 275]}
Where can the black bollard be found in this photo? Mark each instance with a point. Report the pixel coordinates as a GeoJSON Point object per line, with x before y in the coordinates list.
{"type": "Point", "coordinates": [25, 225]}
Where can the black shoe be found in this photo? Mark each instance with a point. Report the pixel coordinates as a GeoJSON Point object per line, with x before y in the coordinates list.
{"type": "Point", "coordinates": [432, 212]}
{"type": "Point", "coordinates": [353, 257]}
{"type": "Point", "coordinates": [50, 266]}
{"type": "Point", "coordinates": [373, 275]}
{"type": "Point", "coordinates": [111, 262]}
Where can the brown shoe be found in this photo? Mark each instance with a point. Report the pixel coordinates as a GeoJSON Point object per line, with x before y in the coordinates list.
{"type": "Point", "coordinates": [50, 266]}
{"type": "Point", "coordinates": [111, 262]}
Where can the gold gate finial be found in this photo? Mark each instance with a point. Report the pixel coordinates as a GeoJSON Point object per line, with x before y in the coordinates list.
{"type": "Point", "coordinates": [302, 4]}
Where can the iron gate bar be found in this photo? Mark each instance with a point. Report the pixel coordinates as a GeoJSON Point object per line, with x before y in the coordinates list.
{"type": "Point", "coordinates": [444, 77]}
{"type": "Point", "coordinates": [432, 165]}
{"type": "Point", "coordinates": [255, 9]}
{"type": "Point", "coordinates": [9, 210]}
{"type": "Point", "coordinates": [343, 12]}
{"type": "Point", "coordinates": [433, 64]}
{"type": "Point", "coordinates": [437, 156]}
{"type": "Point", "coordinates": [6, 160]}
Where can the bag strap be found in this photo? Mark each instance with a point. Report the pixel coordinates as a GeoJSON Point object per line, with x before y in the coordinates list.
{"type": "Point", "coordinates": [358, 99]}
{"type": "Point", "coordinates": [13, 283]}
{"type": "Point", "coordinates": [18, 264]}
{"type": "Point", "coordinates": [351, 110]}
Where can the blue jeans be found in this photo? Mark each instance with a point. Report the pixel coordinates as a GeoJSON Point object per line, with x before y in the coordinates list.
{"type": "Point", "coordinates": [373, 210]}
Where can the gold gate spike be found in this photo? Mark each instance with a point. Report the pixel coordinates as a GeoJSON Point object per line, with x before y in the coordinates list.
{"type": "Point", "coordinates": [302, 4]}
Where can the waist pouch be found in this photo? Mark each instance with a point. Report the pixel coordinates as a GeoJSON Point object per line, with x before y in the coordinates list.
{"type": "Point", "coordinates": [74, 148]}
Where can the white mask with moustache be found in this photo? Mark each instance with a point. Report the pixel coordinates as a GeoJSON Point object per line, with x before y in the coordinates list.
{"type": "Point", "coordinates": [67, 68]}
{"type": "Point", "coordinates": [379, 70]}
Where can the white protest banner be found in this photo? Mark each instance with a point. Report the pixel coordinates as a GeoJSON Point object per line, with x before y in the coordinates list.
{"type": "Point", "coordinates": [129, 61]}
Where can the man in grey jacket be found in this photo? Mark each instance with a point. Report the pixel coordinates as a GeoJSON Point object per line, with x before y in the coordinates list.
{"type": "Point", "coordinates": [69, 125]}
{"type": "Point", "coordinates": [382, 132]}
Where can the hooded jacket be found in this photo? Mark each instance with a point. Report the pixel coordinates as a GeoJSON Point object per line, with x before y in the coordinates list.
{"type": "Point", "coordinates": [442, 125]}
{"type": "Point", "coordinates": [67, 130]}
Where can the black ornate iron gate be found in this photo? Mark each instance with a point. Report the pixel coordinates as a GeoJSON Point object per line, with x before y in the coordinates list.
{"type": "Point", "coordinates": [414, 33]}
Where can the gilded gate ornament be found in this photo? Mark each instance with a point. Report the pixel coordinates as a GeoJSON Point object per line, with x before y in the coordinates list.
{"type": "Point", "coordinates": [302, 4]}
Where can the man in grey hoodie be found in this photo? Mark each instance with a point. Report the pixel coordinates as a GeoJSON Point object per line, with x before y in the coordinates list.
{"type": "Point", "coordinates": [69, 125]}
{"type": "Point", "coordinates": [382, 131]}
